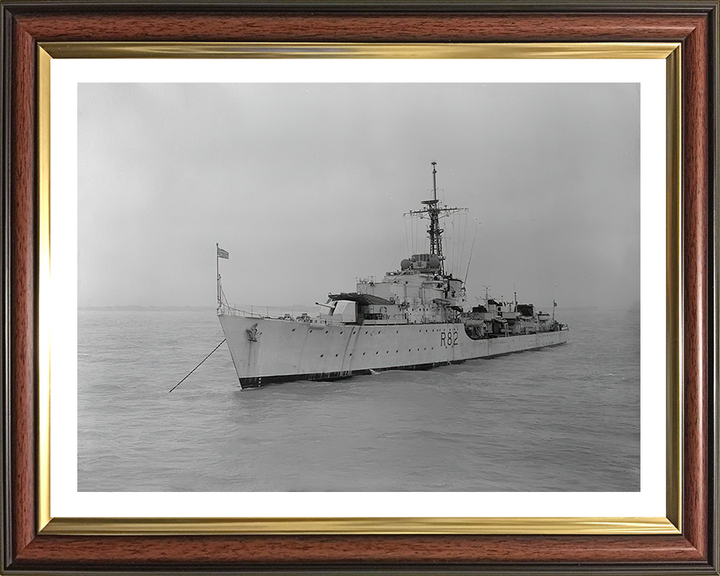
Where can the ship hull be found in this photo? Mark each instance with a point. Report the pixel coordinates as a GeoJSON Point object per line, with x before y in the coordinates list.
{"type": "Point", "coordinates": [266, 351]}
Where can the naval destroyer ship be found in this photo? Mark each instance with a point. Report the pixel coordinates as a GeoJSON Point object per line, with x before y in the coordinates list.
{"type": "Point", "coordinates": [417, 317]}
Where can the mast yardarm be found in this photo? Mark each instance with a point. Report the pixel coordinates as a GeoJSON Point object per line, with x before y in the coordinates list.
{"type": "Point", "coordinates": [434, 212]}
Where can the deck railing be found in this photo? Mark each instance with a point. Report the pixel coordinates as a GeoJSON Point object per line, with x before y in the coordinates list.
{"type": "Point", "coordinates": [271, 312]}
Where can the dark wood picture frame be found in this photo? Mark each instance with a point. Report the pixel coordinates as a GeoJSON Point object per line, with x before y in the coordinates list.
{"type": "Point", "coordinates": [25, 24]}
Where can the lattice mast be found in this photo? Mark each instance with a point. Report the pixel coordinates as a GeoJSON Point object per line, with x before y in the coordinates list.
{"type": "Point", "coordinates": [434, 212]}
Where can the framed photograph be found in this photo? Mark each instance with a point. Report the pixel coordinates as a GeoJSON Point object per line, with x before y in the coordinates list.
{"type": "Point", "coordinates": [369, 287]}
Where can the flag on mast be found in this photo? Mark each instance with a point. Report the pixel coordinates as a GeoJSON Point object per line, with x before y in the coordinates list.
{"type": "Point", "coordinates": [223, 253]}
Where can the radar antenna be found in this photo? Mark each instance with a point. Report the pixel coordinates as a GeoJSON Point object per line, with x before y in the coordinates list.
{"type": "Point", "coordinates": [434, 212]}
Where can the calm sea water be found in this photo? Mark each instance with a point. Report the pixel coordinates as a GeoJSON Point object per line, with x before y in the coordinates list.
{"type": "Point", "coordinates": [557, 419]}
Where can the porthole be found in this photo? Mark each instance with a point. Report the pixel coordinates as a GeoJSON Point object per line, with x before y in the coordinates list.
{"type": "Point", "coordinates": [321, 355]}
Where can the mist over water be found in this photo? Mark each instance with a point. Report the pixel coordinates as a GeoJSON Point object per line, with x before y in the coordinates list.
{"type": "Point", "coordinates": [306, 184]}
{"type": "Point", "coordinates": [565, 418]}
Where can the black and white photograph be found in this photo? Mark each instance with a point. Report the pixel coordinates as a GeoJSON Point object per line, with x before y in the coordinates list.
{"type": "Point", "coordinates": [358, 287]}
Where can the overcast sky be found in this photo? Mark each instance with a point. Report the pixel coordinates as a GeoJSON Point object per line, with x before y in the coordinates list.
{"type": "Point", "coordinates": [305, 185]}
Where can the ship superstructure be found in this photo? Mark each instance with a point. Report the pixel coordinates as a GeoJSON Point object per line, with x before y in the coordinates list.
{"type": "Point", "coordinates": [415, 317]}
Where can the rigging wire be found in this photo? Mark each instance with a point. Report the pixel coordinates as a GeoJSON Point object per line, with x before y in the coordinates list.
{"type": "Point", "coordinates": [454, 247]}
{"type": "Point", "coordinates": [222, 294]}
{"type": "Point", "coordinates": [412, 235]}
{"type": "Point", "coordinates": [456, 241]}
{"type": "Point", "coordinates": [450, 239]}
{"type": "Point", "coordinates": [407, 237]}
{"type": "Point", "coordinates": [463, 217]}
{"type": "Point", "coordinates": [471, 253]}
{"type": "Point", "coordinates": [196, 367]}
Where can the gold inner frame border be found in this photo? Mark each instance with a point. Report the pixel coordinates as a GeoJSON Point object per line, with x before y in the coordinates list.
{"type": "Point", "coordinates": [671, 524]}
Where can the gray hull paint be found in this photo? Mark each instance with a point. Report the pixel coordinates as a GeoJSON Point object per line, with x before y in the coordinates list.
{"type": "Point", "coordinates": [286, 350]}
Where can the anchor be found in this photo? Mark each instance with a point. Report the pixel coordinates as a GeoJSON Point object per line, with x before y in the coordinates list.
{"type": "Point", "coordinates": [252, 333]}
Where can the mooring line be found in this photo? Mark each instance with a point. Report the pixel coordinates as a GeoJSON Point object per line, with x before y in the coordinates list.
{"type": "Point", "coordinates": [196, 367]}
